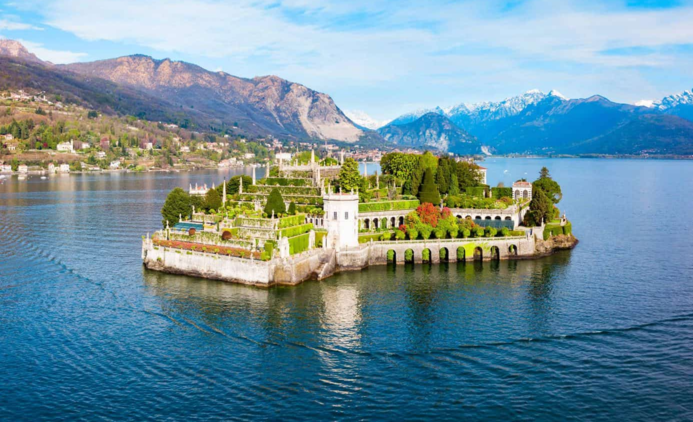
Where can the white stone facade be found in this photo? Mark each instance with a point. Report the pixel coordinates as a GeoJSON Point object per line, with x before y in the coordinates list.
{"type": "Point", "coordinates": [522, 190]}
{"type": "Point", "coordinates": [341, 219]}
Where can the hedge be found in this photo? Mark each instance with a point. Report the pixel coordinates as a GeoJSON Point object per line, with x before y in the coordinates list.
{"type": "Point", "coordinates": [568, 228]}
{"type": "Point", "coordinates": [552, 230]}
{"type": "Point", "coordinates": [477, 191]}
{"type": "Point", "coordinates": [296, 230]}
{"type": "Point", "coordinates": [293, 220]}
{"type": "Point", "coordinates": [502, 192]}
{"type": "Point", "coordinates": [298, 244]}
{"type": "Point", "coordinates": [367, 238]}
{"type": "Point", "coordinates": [389, 205]}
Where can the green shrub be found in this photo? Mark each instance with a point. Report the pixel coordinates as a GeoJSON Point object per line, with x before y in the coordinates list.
{"type": "Point", "coordinates": [390, 255]}
{"type": "Point", "coordinates": [429, 189]}
{"type": "Point", "coordinates": [443, 254]}
{"type": "Point", "coordinates": [385, 236]}
{"type": "Point", "coordinates": [505, 231]}
{"type": "Point", "coordinates": [292, 208]}
{"type": "Point", "coordinates": [293, 220]}
{"type": "Point", "coordinates": [400, 235]}
{"type": "Point", "coordinates": [466, 233]}
{"type": "Point", "coordinates": [408, 255]}
{"type": "Point", "coordinates": [479, 232]}
{"type": "Point", "coordinates": [425, 230]}
{"type": "Point", "coordinates": [413, 233]}
{"type": "Point", "coordinates": [490, 232]}
{"type": "Point", "coordinates": [426, 255]}
{"type": "Point", "coordinates": [319, 238]}
{"type": "Point", "coordinates": [568, 228]}
{"type": "Point", "coordinates": [477, 191]}
{"type": "Point", "coordinates": [269, 249]}
{"type": "Point", "coordinates": [460, 254]}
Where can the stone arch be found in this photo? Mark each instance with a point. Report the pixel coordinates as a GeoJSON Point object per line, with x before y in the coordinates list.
{"type": "Point", "coordinates": [426, 256]}
{"type": "Point", "coordinates": [469, 217]}
{"type": "Point", "coordinates": [392, 256]}
{"type": "Point", "coordinates": [525, 194]}
{"type": "Point", "coordinates": [409, 255]}
{"type": "Point", "coordinates": [393, 222]}
{"type": "Point", "coordinates": [488, 217]}
{"type": "Point", "coordinates": [495, 253]}
{"type": "Point", "coordinates": [444, 255]}
{"type": "Point", "coordinates": [498, 217]}
{"type": "Point", "coordinates": [512, 250]}
{"type": "Point", "coordinates": [517, 193]}
{"type": "Point", "coordinates": [478, 254]}
{"type": "Point", "coordinates": [459, 217]}
{"type": "Point", "coordinates": [401, 220]}
{"type": "Point", "coordinates": [367, 224]}
{"type": "Point", "coordinates": [478, 217]}
{"type": "Point", "coordinates": [461, 254]}
{"type": "Point", "coordinates": [508, 219]}
{"type": "Point", "coordinates": [376, 223]}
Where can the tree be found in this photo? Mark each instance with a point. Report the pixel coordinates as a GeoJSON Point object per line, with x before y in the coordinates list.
{"type": "Point", "coordinates": [544, 173]}
{"type": "Point", "coordinates": [443, 175]}
{"type": "Point", "coordinates": [292, 208]}
{"type": "Point", "coordinates": [275, 203]}
{"type": "Point", "coordinates": [550, 187]}
{"type": "Point", "coordinates": [349, 176]}
{"type": "Point", "coordinates": [467, 175]}
{"type": "Point", "coordinates": [212, 200]}
{"type": "Point", "coordinates": [429, 190]}
{"type": "Point", "coordinates": [92, 114]}
{"type": "Point", "coordinates": [233, 184]}
{"type": "Point", "coordinates": [539, 208]}
{"type": "Point", "coordinates": [177, 204]}
{"type": "Point", "coordinates": [454, 185]}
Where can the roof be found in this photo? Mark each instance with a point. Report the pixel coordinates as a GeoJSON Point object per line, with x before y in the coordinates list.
{"type": "Point", "coordinates": [481, 168]}
{"type": "Point", "coordinates": [522, 184]}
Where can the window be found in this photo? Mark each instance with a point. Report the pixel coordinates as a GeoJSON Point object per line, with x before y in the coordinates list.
{"type": "Point", "coordinates": [346, 215]}
{"type": "Point", "coordinates": [335, 215]}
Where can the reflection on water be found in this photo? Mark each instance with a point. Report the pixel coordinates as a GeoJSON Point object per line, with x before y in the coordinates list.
{"type": "Point", "coordinates": [596, 333]}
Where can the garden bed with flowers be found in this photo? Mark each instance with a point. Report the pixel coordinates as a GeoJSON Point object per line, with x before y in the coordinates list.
{"type": "Point", "coordinates": [198, 247]}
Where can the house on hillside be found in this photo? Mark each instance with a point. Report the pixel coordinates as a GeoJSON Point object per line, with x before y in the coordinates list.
{"type": "Point", "coordinates": [66, 147]}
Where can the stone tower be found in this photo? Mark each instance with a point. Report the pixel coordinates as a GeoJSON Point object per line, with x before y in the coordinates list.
{"type": "Point", "coordinates": [341, 219]}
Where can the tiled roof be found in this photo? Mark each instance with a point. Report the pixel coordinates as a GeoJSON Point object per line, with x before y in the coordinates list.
{"type": "Point", "coordinates": [522, 184]}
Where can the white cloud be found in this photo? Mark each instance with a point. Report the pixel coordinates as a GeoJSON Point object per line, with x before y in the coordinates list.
{"type": "Point", "coordinates": [10, 25]}
{"type": "Point", "coordinates": [53, 56]}
{"type": "Point", "coordinates": [427, 50]}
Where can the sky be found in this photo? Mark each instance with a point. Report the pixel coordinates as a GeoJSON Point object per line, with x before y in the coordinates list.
{"type": "Point", "coordinates": [386, 58]}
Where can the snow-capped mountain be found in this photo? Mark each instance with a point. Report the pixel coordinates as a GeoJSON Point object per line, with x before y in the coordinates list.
{"type": "Point", "coordinates": [415, 115]}
{"type": "Point", "coordinates": [465, 113]}
{"type": "Point", "coordinates": [361, 118]}
{"type": "Point", "coordinates": [645, 103]}
{"type": "Point", "coordinates": [684, 98]}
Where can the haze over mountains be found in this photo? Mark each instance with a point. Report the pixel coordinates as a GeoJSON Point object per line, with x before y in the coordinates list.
{"type": "Point", "coordinates": [188, 95]}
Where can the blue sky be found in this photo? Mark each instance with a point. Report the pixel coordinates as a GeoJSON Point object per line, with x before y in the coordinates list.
{"type": "Point", "coordinates": [386, 57]}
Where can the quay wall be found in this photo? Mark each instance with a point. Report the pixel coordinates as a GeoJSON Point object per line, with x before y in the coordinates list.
{"type": "Point", "coordinates": [321, 263]}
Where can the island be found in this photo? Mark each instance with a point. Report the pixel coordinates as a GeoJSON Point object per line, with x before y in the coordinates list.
{"type": "Point", "coordinates": [311, 219]}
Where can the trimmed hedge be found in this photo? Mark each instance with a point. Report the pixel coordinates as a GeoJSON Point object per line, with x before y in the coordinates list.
{"type": "Point", "coordinates": [296, 230]}
{"type": "Point", "coordinates": [319, 238]}
{"type": "Point", "coordinates": [298, 244]}
{"type": "Point", "coordinates": [552, 230]}
{"type": "Point", "coordinates": [502, 192]}
{"type": "Point", "coordinates": [568, 228]}
{"type": "Point", "coordinates": [389, 205]}
{"type": "Point", "coordinates": [477, 191]}
{"type": "Point", "coordinates": [293, 220]}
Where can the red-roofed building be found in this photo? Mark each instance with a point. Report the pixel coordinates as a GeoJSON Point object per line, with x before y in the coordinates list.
{"type": "Point", "coordinates": [522, 190]}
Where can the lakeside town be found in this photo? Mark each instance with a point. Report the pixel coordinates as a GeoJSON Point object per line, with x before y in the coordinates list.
{"type": "Point", "coordinates": [309, 221]}
{"type": "Point", "coordinates": [41, 134]}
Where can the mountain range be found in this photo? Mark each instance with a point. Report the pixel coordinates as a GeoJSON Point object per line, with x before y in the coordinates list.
{"type": "Point", "coordinates": [195, 98]}
{"type": "Point", "coordinates": [177, 91]}
{"type": "Point", "coordinates": [432, 131]}
{"type": "Point", "coordinates": [538, 123]}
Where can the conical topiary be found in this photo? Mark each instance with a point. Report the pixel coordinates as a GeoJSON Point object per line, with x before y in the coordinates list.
{"type": "Point", "coordinates": [292, 208]}
{"type": "Point", "coordinates": [429, 189]}
{"type": "Point", "coordinates": [275, 203]}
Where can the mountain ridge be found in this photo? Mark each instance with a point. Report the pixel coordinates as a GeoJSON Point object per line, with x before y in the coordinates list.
{"type": "Point", "coordinates": [432, 131]}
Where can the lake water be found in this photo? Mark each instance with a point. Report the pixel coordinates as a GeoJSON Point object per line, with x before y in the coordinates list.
{"type": "Point", "coordinates": [603, 332]}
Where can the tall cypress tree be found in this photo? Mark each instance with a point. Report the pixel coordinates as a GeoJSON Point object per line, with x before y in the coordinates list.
{"type": "Point", "coordinates": [429, 190]}
{"type": "Point", "coordinates": [275, 203]}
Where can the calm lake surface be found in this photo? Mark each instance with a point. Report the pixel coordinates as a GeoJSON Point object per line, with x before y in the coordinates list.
{"type": "Point", "coordinates": [604, 332]}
